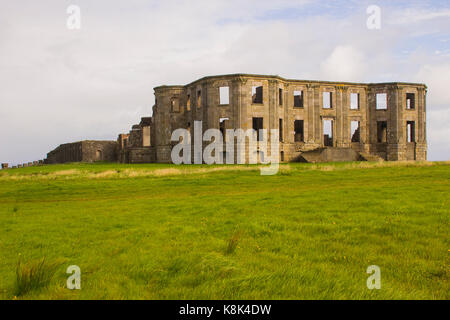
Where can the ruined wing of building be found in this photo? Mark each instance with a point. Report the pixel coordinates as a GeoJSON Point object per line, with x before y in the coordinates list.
{"type": "Point", "coordinates": [317, 121]}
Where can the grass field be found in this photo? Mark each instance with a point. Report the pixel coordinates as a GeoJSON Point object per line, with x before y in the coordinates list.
{"type": "Point", "coordinates": [225, 232]}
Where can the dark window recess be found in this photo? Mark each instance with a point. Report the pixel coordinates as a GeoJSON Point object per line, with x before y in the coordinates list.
{"type": "Point", "coordinates": [382, 131]}
{"type": "Point", "coordinates": [282, 156]}
{"type": "Point", "coordinates": [199, 99]}
{"type": "Point", "coordinates": [257, 94]}
{"type": "Point", "coordinates": [280, 96]}
{"type": "Point", "coordinates": [410, 101]}
{"type": "Point", "coordinates": [223, 126]}
{"type": "Point", "coordinates": [298, 99]}
{"type": "Point", "coordinates": [281, 130]}
{"type": "Point", "coordinates": [258, 125]}
{"type": "Point", "coordinates": [175, 105]}
{"type": "Point", "coordinates": [411, 131]}
{"type": "Point", "coordinates": [298, 131]}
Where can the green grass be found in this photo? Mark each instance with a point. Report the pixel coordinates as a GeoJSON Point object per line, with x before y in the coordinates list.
{"type": "Point", "coordinates": [226, 232]}
{"type": "Point", "coordinates": [33, 275]}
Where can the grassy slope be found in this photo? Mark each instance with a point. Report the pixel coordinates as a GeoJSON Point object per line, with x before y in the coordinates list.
{"type": "Point", "coordinates": [309, 232]}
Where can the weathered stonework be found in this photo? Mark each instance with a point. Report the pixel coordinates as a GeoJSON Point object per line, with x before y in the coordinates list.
{"type": "Point", "coordinates": [381, 133]}
{"type": "Point", "coordinates": [83, 151]}
{"type": "Point", "coordinates": [316, 120]}
{"type": "Point", "coordinates": [135, 147]}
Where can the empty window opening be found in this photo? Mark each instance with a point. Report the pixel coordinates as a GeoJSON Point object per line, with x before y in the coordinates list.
{"type": "Point", "coordinates": [410, 131]}
{"type": "Point", "coordinates": [381, 101]}
{"type": "Point", "coordinates": [223, 125]}
{"type": "Point", "coordinates": [410, 101]}
{"type": "Point", "coordinates": [355, 131]}
{"type": "Point", "coordinates": [280, 96]}
{"type": "Point", "coordinates": [327, 96]}
{"type": "Point", "coordinates": [258, 125]}
{"type": "Point", "coordinates": [354, 101]}
{"type": "Point", "coordinates": [188, 103]}
{"type": "Point", "coordinates": [281, 130]}
{"type": "Point", "coordinates": [298, 99]}
{"type": "Point", "coordinates": [298, 131]}
{"type": "Point", "coordinates": [224, 95]}
{"type": "Point", "coordinates": [257, 94]}
{"type": "Point", "coordinates": [282, 156]}
{"type": "Point", "coordinates": [98, 155]}
{"type": "Point", "coordinates": [382, 131]}
{"type": "Point", "coordinates": [328, 133]}
{"type": "Point", "coordinates": [199, 98]}
{"type": "Point", "coordinates": [175, 105]}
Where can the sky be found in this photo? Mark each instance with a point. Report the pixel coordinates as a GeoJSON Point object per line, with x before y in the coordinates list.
{"type": "Point", "coordinates": [61, 85]}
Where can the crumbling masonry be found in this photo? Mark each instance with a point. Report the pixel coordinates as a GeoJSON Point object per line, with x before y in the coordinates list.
{"type": "Point", "coordinates": [317, 120]}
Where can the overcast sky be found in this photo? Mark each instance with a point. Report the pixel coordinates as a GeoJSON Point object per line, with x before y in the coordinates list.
{"type": "Point", "coordinates": [59, 85]}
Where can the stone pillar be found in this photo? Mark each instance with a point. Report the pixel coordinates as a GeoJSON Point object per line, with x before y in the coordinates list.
{"type": "Point", "coordinates": [396, 149]}
{"type": "Point", "coordinates": [316, 119]}
{"type": "Point", "coordinates": [342, 121]}
{"type": "Point", "coordinates": [421, 126]}
{"type": "Point", "coordinates": [273, 108]}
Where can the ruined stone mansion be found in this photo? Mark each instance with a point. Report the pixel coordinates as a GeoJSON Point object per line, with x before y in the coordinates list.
{"type": "Point", "coordinates": [317, 121]}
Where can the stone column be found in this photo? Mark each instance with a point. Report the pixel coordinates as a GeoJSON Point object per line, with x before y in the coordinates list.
{"type": "Point", "coordinates": [396, 149]}
{"type": "Point", "coordinates": [421, 125]}
{"type": "Point", "coordinates": [272, 107]}
{"type": "Point", "coordinates": [316, 119]}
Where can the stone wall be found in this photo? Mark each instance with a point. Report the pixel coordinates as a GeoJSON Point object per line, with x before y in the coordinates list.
{"type": "Point", "coordinates": [84, 151]}
{"type": "Point", "coordinates": [284, 101]}
{"type": "Point", "coordinates": [135, 147]}
{"type": "Point", "coordinates": [300, 110]}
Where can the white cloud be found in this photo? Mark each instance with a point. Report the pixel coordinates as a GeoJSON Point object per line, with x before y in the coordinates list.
{"type": "Point", "coordinates": [345, 63]}
{"type": "Point", "coordinates": [437, 77]}
{"type": "Point", "coordinates": [416, 15]}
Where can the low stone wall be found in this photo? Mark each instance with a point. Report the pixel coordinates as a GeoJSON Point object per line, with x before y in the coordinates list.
{"type": "Point", "coordinates": [84, 151]}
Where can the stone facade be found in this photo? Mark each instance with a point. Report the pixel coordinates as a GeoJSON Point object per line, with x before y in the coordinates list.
{"type": "Point", "coordinates": [83, 151]}
{"type": "Point", "coordinates": [135, 147]}
{"type": "Point", "coordinates": [386, 120]}
{"type": "Point", "coordinates": [316, 120]}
